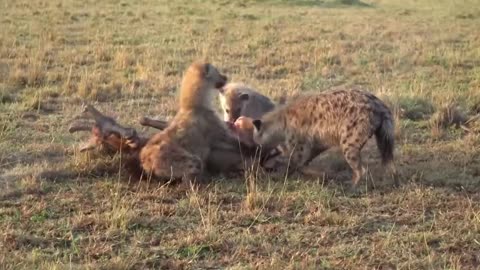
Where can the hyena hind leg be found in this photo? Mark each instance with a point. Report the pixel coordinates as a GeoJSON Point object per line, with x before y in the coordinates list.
{"type": "Point", "coordinates": [352, 154]}
{"type": "Point", "coordinates": [393, 173]}
{"type": "Point", "coordinates": [172, 163]}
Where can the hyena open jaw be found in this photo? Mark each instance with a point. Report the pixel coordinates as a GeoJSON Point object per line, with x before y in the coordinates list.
{"type": "Point", "coordinates": [310, 124]}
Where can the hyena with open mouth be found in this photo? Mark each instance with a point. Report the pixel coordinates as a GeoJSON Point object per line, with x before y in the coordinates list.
{"type": "Point", "coordinates": [309, 124]}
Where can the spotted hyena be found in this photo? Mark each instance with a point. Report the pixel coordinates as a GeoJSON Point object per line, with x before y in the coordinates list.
{"type": "Point", "coordinates": [309, 124]}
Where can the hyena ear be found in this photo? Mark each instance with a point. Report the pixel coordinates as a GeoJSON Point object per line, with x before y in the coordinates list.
{"type": "Point", "coordinates": [244, 96]}
{"type": "Point", "coordinates": [207, 69]}
{"type": "Point", "coordinates": [257, 124]}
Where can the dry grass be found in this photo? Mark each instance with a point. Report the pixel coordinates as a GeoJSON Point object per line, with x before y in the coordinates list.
{"type": "Point", "coordinates": [63, 209]}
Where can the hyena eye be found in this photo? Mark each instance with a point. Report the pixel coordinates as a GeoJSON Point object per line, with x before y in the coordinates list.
{"type": "Point", "coordinates": [227, 110]}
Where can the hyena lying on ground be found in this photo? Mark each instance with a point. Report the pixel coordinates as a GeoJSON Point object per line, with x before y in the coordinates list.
{"type": "Point", "coordinates": [309, 124]}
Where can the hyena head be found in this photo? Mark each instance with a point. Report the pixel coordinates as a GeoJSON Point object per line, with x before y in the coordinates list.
{"type": "Point", "coordinates": [233, 102]}
{"type": "Point", "coordinates": [199, 85]}
{"type": "Point", "coordinates": [204, 74]}
{"type": "Point", "coordinates": [268, 133]}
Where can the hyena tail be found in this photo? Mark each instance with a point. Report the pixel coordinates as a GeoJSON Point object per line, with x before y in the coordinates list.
{"type": "Point", "coordinates": [386, 140]}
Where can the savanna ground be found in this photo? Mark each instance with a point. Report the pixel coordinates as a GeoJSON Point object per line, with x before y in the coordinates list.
{"type": "Point", "coordinates": [61, 209]}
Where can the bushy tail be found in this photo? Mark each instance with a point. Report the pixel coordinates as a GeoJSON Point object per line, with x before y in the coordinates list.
{"type": "Point", "coordinates": [385, 137]}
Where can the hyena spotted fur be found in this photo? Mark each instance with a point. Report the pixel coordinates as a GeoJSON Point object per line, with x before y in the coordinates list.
{"type": "Point", "coordinates": [309, 124]}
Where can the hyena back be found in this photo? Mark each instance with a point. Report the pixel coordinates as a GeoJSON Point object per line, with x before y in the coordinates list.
{"type": "Point", "coordinates": [309, 124]}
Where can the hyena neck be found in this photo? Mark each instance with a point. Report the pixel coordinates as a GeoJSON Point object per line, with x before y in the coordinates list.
{"type": "Point", "coordinates": [277, 120]}
{"type": "Point", "coordinates": [196, 93]}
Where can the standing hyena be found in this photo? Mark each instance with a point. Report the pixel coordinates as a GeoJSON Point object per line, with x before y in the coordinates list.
{"type": "Point", "coordinates": [309, 124]}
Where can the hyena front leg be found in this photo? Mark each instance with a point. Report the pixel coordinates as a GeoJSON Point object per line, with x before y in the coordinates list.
{"type": "Point", "coordinates": [300, 154]}
{"type": "Point", "coordinates": [354, 159]}
{"type": "Point", "coordinates": [316, 149]}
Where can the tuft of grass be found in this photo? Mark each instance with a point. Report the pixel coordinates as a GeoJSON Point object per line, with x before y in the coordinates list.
{"type": "Point", "coordinates": [97, 86]}
{"type": "Point", "coordinates": [415, 108]}
{"type": "Point", "coordinates": [252, 199]}
{"type": "Point", "coordinates": [123, 59]}
{"type": "Point", "coordinates": [449, 115]}
{"type": "Point", "coordinates": [42, 99]}
{"type": "Point", "coordinates": [30, 74]}
{"type": "Point", "coordinates": [6, 95]}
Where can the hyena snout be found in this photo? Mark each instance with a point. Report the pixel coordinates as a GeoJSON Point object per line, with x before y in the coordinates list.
{"type": "Point", "coordinates": [221, 82]}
